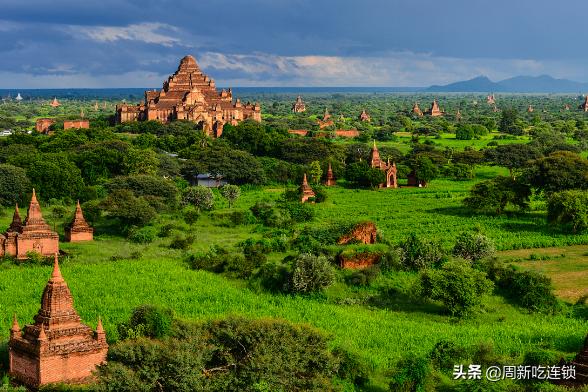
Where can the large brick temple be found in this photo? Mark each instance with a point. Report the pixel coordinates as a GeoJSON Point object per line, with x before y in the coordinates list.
{"type": "Point", "coordinates": [58, 347]}
{"type": "Point", "coordinates": [34, 235]}
{"type": "Point", "coordinates": [188, 94]}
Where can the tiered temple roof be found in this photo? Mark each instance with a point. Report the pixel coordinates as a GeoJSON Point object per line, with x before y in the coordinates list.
{"type": "Point", "coordinates": [299, 106]}
{"type": "Point", "coordinates": [189, 94]}
{"type": "Point", "coordinates": [416, 110]}
{"type": "Point", "coordinates": [58, 347]}
{"type": "Point", "coordinates": [389, 169]}
{"type": "Point", "coordinates": [434, 111]}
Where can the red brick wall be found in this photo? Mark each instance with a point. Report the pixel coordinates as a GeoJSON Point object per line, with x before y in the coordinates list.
{"type": "Point", "coordinates": [347, 132]}
{"type": "Point", "coordinates": [78, 236]}
{"type": "Point", "coordinates": [72, 367]}
{"type": "Point", "coordinates": [48, 246]}
{"type": "Point", "coordinates": [76, 124]}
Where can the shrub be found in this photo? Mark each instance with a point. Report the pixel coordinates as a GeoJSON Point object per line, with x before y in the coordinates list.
{"type": "Point", "coordinates": [392, 260]}
{"type": "Point", "coordinates": [166, 230]}
{"type": "Point", "coordinates": [364, 277]}
{"type": "Point", "coordinates": [457, 285]}
{"type": "Point", "coordinates": [569, 207]}
{"type": "Point", "coordinates": [351, 367]}
{"type": "Point", "coordinates": [182, 242]}
{"type": "Point", "coordinates": [231, 193]}
{"type": "Point", "coordinates": [312, 273]}
{"type": "Point", "coordinates": [419, 254]}
{"type": "Point", "coordinates": [147, 320]}
{"type": "Point", "coordinates": [411, 374]}
{"type": "Point", "coordinates": [199, 196]}
{"type": "Point", "coordinates": [446, 353]}
{"type": "Point", "coordinates": [274, 276]}
{"type": "Point", "coordinates": [531, 290]}
{"type": "Point", "coordinates": [191, 215]}
{"type": "Point", "coordinates": [142, 235]}
{"type": "Point", "coordinates": [299, 212]}
{"type": "Point", "coordinates": [473, 246]}
{"type": "Point", "coordinates": [130, 210]}
{"type": "Point", "coordinates": [59, 212]}
{"type": "Point", "coordinates": [92, 211]}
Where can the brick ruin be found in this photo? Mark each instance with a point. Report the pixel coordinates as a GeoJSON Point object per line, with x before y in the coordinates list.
{"type": "Point", "coordinates": [305, 190]}
{"type": "Point", "coordinates": [76, 124]}
{"type": "Point", "coordinates": [416, 110]}
{"type": "Point", "coordinates": [491, 99]}
{"type": "Point", "coordinates": [190, 95]}
{"type": "Point", "coordinates": [55, 103]}
{"type": "Point", "coordinates": [326, 121]}
{"type": "Point", "coordinates": [389, 169]}
{"type": "Point", "coordinates": [530, 109]}
{"type": "Point", "coordinates": [34, 235]}
{"type": "Point", "coordinates": [43, 125]}
{"type": "Point", "coordinates": [359, 260]}
{"type": "Point", "coordinates": [299, 106]}
{"type": "Point", "coordinates": [78, 229]}
{"type": "Point", "coordinates": [363, 233]}
{"type": "Point", "coordinates": [330, 181]}
{"type": "Point", "coordinates": [58, 347]}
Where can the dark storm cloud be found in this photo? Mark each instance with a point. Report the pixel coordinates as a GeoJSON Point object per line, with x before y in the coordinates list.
{"type": "Point", "coordinates": [280, 38]}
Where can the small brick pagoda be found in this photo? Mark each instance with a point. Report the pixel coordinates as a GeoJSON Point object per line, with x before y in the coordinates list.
{"type": "Point", "coordinates": [58, 347]}
{"type": "Point", "coordinates": [34, 235]}
{"type": "Point", "coordinates": [364, 117]}
{"type": "Point", "coordinates": [78, 229]}
{"type": "Point", "coordinates": [434, 111]}
{"type": "Point", "coordinates": [491, 99]}
{"type": "Point", "coordinates": [389, 169]}
{"type": "Point", "coordinates": [190, 95]}
{"type": "Point", "coordinates": [55, 103]}
{"type": "Point", "coordinates": [330, 177]}
{"type": "Point", "coordinates": [299, 106]}
{"type": "Point", "coordinates": [458, 115]}
{"type": "Point", "coordinates": [416, 110]}
{"type": "Point", "coordinates": [305, 190]}
{"type": "Point", "coordinates": [530, 109]}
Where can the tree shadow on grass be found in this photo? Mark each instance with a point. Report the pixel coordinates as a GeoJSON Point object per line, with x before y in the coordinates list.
{"type": "Point", "coordinates": [396, 300]}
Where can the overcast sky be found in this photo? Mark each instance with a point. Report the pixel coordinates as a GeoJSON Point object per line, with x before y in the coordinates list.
{"type": "Point", "coordinates": [137, 43]}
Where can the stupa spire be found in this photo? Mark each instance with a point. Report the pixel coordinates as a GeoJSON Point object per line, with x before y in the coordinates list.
{"type": "Point", "coordinates": [15, 327]}
{"type": "Point", "coordinates": [56, 274]}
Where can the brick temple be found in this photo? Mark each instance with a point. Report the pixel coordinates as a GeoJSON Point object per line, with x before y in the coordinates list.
{"type": "Point", "coordinates": [34, 235]}
{"type": "Point", "coordinates": [43, 125]}
{"type": "Point", "coordinates": [78, 230]}
{"type": "Point", "coordinates": [364, 116]}
{"type": "Point", "coordinates": [305, 190]}
{"type": "Point", "coordinates": [389, 169]}
{"type": "Point", "coordinates": [434, 110]}
{"type": "Point", "coordinates": [584, 106]}
{"type": "Point", "coordinates": [190, 95]}
{"type": "Point", "coordinates": [58, 347]}
{"type": "Point", "coordinates": [330, 177]}
{"type": "Point", "coordinates": [416, 110]}
{"type": "Point", "coordinates": [76, 124]}
{"type": "Point", "coordinates": [299, 106]}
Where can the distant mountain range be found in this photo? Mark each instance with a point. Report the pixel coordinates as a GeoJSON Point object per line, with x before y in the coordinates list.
{"type": "Point", "coordinates": [518, 84]}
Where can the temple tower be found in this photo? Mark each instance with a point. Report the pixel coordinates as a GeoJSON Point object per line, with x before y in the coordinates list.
{"type": "Point", "coordinates": [78, 229]}
{"type": "Point", "coordinates": [299, 106]}
{"type": "Point", "coordinates": [330, 177]}
{"type": "Point", "coordinates": [58, 347]}
{"type": "Point", "coordinates": [35, 234]}
{"type": "Point", "coordinates": [305, 190]}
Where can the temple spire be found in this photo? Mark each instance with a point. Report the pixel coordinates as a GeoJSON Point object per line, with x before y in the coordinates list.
{"type": "Point", "coordinates": [56, 274]}
{"type": "Point", "coordinates": [15, 327]}
{"type": "Point", "coordinates": [304, 180]}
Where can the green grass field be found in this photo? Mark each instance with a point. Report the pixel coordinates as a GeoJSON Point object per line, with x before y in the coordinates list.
{"type": "Point", "coordinates": [105, 279]}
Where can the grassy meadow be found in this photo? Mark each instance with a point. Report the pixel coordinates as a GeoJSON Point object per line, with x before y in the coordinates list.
{"type": "Point", "coordinates": [110, 276]}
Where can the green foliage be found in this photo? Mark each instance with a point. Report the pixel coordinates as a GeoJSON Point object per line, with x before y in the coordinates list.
{"type": "Point", "coordinates": [190, 215]}
{"type": "Point", "coordinates": [559, 171]}
{"type": "Point", "coordinates": [146, 185]}
{"type": "Point", "coordinates": [425, 170]}
{"type": "Point", "coordinates": [364, 277]}
{"type": "Point", "coordinates": [231, 193]}
{"type": "Point", "coordinates": [446, 354]}
{"type": "Point", "coordinates": [54, 176]}
{"type": "Point", "coordinates": [457, 285]}
{"type": "Point", "coordinates": [418, 253]}
{"type": "Point", "coordinates": [496, 194]}
{"type": "Point", "coordinates": [147, 320]}
{"type": "Point", "coordinates": [473, 246]}
{"type": "Point", "coordinates": [14, 185]}
{"type": "Point", "coordinates": [311, 274]}
{"type": "Point", "coordinates": [199, 196]}
{"type": "Point", "coordinates": [316, 172]}
{"type": "Point", "coordinates": [142, 235]}
{"type": "Point", "coordinates": [411, 374]}
{"type": "Point", "coordinates": [569, 207]}
{"type": "Point", "coordinates": [531, 290]}
{"type": "Point", "coordinates": [182, 242]}
{"type": "Point", "coordinates": [130, 210]}
{"type": "Point", "coordinates": [362, 175]}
